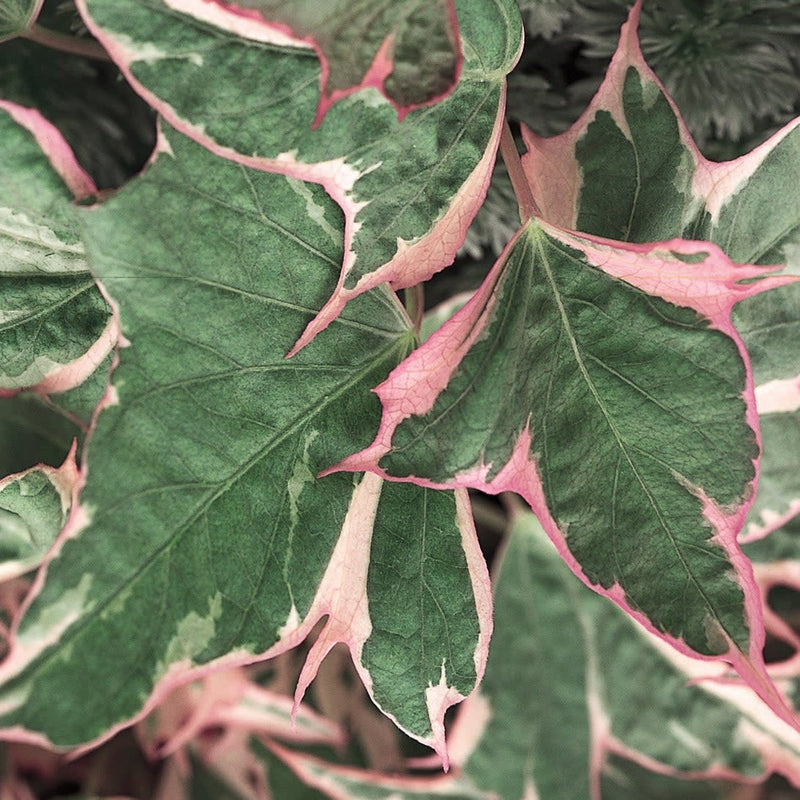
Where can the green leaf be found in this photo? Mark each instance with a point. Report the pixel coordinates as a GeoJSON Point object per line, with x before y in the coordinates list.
{"type": "Point", "coordinates": [33, 509]}
{"type": "Point", "coordinates": [202, 530]}
{"type": "Point", "coordinates": [292, 768]}
{"type": "Point", "coordinates": [526, 732]}
{"type": "Point", "coordinates": [16, 16]}
{"type": "Point", "coordinates": [626, 780]}
{"type": "Point", "coordinates": [408, 190]}
{"type": "Point", "coordinates": [572, 683]}
{"type": "Point", "coordinates": [620, 416]}
{"type": "Point", "coordinates": [408, 50]}
{"type": "Point", "coordinates": [54, 324]}
{"type": "Point", "coordinates": [629, 170]}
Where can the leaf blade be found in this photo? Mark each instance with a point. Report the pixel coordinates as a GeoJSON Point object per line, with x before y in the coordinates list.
{"type": "Point", "coordinates": [408, 190]}
{"type": "Point", "coordinates": [218, 548]}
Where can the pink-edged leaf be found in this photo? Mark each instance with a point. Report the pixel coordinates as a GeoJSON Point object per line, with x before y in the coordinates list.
{"type": "Point", "coordinates": [778, 498]}
{"type": "Point", "coordinates": [629, 170]}
{"type": "Point", "coordinates": [408, 189]}
{"type": "Point", "coordinates": [574, 686]}
{"type": "Point", "coordinates": [228, 700]}
{"type": "Point", "coordinates": [225, 547]}
{"type": "Point", "coordinates": [55, 327]}
{"type": "Point", "coordinates": [407, 50]}
{"type": "Point", "coordinates": [34, 506]}
{"type": "Point", "coordinates": [605, 384]}
{"type": "Point", "coordinates": [346, 783]}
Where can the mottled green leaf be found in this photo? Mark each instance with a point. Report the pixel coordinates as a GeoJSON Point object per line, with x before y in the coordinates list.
{"type": "Point", "coordinates": [572, 683]}
{"type": "Point", "coordinates": [778, 498]}
{"type": "Point", "coordinates": [33, 509]}
{"type": "Point", "coordinates": [622, 417]}
{"type": "Point", "coordinates": [408, 189]}
{"type": "Point", "coordinates": [203, 530]}
{"type": "Point", "coordinates": [629, 170]}
{"type": "Point", "coordinates": [54, 324]}
{"type": "Point", "coordinates": [526, 732]}
{"type": "Point", "coordinates": [626, 780]}
{"type": "Point", "coordinates": [408, 50]}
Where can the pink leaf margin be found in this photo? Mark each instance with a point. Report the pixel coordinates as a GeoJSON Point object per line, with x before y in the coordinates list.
{"type": "Point", "coordinates": [554, 173]}
{"type": "Point", "coordinates": [341, 598]}
{"type": "Point", "coordinates": [712, 289]}
{"type": "Point", "coordinates": [777, 741]}
{"type": "Point", "coordinates": [382, 65]}
{"type": "Point", "coordinates": [81, 186]}
{"type": "Point", "coordinates": [54, 147]}
{"type": "Point", "coordinates": [415, 261]}
{"type": "Point", "coordinates": [332, 779]}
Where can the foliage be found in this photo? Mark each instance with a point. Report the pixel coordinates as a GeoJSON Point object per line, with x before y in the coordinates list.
{"type": "Point", "coordinates": [233, 452]}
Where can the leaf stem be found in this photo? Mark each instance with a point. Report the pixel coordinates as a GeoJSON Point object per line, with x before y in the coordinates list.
{"type": "Point", "coordinates": [522, 189]}
{"type": "Point", "coordinates": [414, 299]}
{"type": "Point", "coordinates": [88, 48]}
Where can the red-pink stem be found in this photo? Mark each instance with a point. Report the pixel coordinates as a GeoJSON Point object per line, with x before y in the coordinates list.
{"type": "Point", "coordinates": [522, 189]}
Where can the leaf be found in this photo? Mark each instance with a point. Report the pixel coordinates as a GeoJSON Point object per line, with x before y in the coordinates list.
{"type": "Point", "coordinates": [633, 139]}
{"type": "Point", "coordinates": [605, 384]}
{"type": "Point", "coordinates": [223, 547]}
{"type": "Point", "coordinates": [409, 50]}
{"type": "Point", "coordinates": [778, 498]}
{"type": "Point", "coordinates": [33, 509]}
{"type": "Point", "coordinates": [629, 170]}
{"type": "Point", "coordinates": [228, 701]}
{"type": "Point", "coordinates": [16, 16]}
{"type": "Point", "coordinates": [54, 324]}
{"type": "Point", "coordinates": [557, 721]}
{"type": "Point", "coordinates": [355, 784]}
{"type": "Point", "coordinates": [408, 190]}
{"type": "Point", "coordinates": [526, 731]}
{"type": "Point", "coordinates": [626, 780]}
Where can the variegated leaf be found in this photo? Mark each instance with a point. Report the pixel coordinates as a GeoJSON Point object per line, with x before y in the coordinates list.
{"type": "Point", "coordinates": [606, 385]}
{"type": "Point", "coordinates": [203, 533]}
{"type": "Point", "coordinates": [408, 189]}
{"type": "Point", "coordinates": [55, 327]}
{"type": "Point", "coordinates": [407, 50]}
{"type": "Point", "coordinates": [576, 696]}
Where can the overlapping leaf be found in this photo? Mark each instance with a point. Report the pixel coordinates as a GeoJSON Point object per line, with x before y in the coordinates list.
{"type": "Point", "coordinates": [202, 531]}
{"type": "Point", "coordinates": [629, 170]}
{"type": "Point", "coordinates": [54, 325]}
{"type": "Point", "coordinates": [606, 385]}
{"type": "Point", "coordinates": [408, 190]}
{"type": "Point", "coordinates": [574, 689]}
{"type": "Point", "coordinates": [408, 50]}
{"type": "Point", "coordinates": [33, 509]}
{"type": "Point", "coordinates": [307, 777]}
